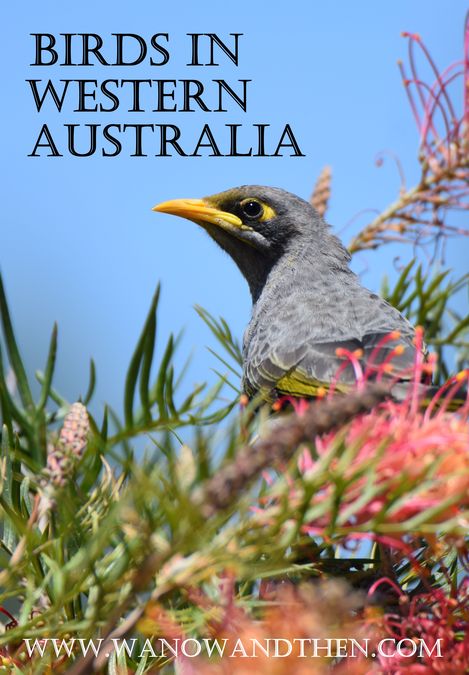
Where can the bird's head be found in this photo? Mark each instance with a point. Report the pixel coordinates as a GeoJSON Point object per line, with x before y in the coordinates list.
{"type": "Point", "coordinates": [256, 225]}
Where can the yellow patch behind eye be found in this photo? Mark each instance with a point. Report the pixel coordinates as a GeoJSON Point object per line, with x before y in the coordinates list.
{"type": "Point", "coordinates": [268, 214]}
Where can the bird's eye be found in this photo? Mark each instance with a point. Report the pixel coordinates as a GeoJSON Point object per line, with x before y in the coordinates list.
{"type": "Point", "coordinates": [252, 208]}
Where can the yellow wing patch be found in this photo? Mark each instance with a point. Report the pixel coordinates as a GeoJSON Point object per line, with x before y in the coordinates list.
{"type": "Point", "coordinates": [297, 383]}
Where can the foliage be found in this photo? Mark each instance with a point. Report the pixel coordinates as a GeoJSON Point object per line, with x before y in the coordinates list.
{"type": "Point", "coordinates": [347, 517]}
{"type": "Point", "coordinates": [420, 214]}
{"type": "Point", "coordinates": [426, 300]}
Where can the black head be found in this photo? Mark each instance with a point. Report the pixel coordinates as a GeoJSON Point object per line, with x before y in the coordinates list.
{"type": "Point", "coordinates": [256, 225]}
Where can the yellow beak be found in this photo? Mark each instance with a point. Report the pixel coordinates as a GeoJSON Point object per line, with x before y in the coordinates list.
{"type": "Point", "coordinates": [200, 211]}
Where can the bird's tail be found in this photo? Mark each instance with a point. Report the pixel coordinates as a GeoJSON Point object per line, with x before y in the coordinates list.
{"type": "Point", "coordinates": [452, 395]}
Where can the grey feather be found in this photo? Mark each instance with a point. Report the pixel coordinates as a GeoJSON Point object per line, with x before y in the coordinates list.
{"type": "Point", "coordinates": [306, 300]}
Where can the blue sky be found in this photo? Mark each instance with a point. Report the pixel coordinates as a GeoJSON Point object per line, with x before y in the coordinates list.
{"type": "Point", "coordinates": [80, 244]}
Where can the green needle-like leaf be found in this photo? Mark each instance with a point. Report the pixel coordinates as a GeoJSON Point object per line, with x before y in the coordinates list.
{"type": "Point", "coordinates": [92, 383]}
{"type": "Point", "coordinates": [136, 361]}
{"type": "Point", "coordinates": [49, 370]}
{"type": "Point", "coordinates": [13, 351]}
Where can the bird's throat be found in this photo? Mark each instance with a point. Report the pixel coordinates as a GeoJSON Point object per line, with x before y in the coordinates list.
{"type": "Point", "coordinates": [254, 264]}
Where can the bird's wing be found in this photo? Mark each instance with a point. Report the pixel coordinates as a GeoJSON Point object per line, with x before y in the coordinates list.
{"type": "Point", "coordinates": [298, 357]}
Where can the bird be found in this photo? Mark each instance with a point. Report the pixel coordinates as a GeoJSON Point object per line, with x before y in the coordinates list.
{"type": "Point", "coordinates": [308, 307]}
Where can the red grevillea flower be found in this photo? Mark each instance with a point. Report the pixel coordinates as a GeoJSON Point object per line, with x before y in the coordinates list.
{"type": "Point", "coordinates": [406, 466]}
{"type": "Point", "coordinates": [438, 619]}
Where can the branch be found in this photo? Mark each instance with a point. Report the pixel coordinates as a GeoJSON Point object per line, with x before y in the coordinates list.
{"type": "Point", "coordinates": [320, 417]}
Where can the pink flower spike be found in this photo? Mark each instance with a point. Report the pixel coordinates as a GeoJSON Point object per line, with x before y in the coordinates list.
{"type": "Point", "coordinates": [353, 359]}
{"type": "Point", "coordinates": [466, 75]}
{"type": "Point", "coordinates": [418, 370]}
{"type": "Point", "coordinates": [447, 389]}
